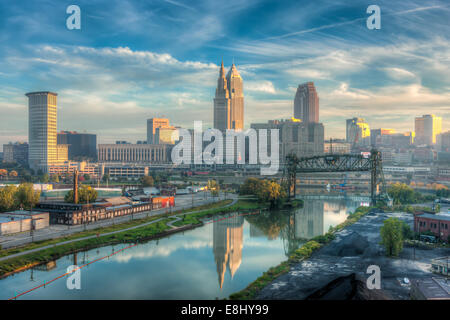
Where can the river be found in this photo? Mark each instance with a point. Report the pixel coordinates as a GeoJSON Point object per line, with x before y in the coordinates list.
{"type": "Point", "coordinates": [208, 262]}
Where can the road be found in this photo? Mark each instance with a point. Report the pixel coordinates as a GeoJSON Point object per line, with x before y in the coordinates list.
{"type": "Point", "coordinates": [57, 231]}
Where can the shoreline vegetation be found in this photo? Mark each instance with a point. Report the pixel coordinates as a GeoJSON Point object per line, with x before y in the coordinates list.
{"type": "Point", "coordinates": [302, 253]}
{"type": "Point", "coordinates": [149, 232]}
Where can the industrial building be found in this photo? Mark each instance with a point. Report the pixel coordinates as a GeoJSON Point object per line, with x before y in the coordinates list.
{"type": "Point", "coordinates": [21, 221]}
{"type": "Point", "coordinates": [76, 214]}
{"type": "Point", "coordinates": [438, 224]}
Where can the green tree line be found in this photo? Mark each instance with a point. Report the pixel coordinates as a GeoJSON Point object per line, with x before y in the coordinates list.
{"type": "Point", "coordinates": [13, 198]}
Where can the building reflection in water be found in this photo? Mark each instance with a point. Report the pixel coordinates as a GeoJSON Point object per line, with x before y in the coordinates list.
{"type": "Point", "coordinates": [316, 216]}
{"type": "Point", "coordinates": [309, 219]}
{"type": "Point", "coordinates": [228, 237]}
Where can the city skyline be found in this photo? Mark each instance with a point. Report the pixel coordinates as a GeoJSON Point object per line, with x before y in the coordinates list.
{"type": "Point", "coordinates": [107, 85]}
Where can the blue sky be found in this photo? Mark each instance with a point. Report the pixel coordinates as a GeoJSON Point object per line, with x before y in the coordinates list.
{"type": "Point", "coordinates": [137, 59]}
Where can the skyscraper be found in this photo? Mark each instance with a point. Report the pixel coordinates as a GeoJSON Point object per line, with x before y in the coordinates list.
{"type": "Point", "coordinates": [357, 132]}
{"type": "Point", "coordinates": [427, 127]}
{"type": "Point", "coordinates": [229, 100]}
{"type": "Point", "coordinates": [42, 130]}
{"type": "Point", "coordinates": [306, 103]}
{"type": "Point", "coordinates": [152, 125]}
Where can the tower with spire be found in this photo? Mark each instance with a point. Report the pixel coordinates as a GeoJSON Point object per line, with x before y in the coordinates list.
{"type": "Point", "coordinates": [229, 100]}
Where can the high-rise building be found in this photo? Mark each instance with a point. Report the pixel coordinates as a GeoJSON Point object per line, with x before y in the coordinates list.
{"type": "Point", "coordinates": [80, 145]}
{"type": "Point", "coordinates": [152, 125]}
{"type": "Point", "coordinates": [167, 135]}
{"type": "Point", "coordinates": [229, 100]}
{"type": "Point", "coordinates": [301, 139]}
{"type": "Point", "coordinates": [42, 130]}
{"type": "Point", "coordinates": [357, 132]}
{"type": "Point", "coordinates": [442, 140]}
{"type": "Point", "coordinates": [376, 135]}
{"type": "Point", "coordinates": [306, 103]}
{"type": "Point", "coordinates": [427, 127]}
{"type": "Point", "coordinates": [16, 153]}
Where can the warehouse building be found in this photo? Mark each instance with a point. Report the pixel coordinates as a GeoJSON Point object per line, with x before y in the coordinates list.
{"type": "Point", "coordinates": [21, 221]}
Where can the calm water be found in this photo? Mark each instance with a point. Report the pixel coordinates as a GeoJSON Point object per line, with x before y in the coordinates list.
{"type": "Point", "coordinates": [209, 262]}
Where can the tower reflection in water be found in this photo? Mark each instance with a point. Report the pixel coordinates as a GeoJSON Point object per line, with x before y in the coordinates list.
{"type": "Point", "coordinates": [228, 237]}
{"type": "Point", "coordinates": [294, 227]}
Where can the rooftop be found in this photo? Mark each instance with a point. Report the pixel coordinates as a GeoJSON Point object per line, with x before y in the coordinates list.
{"type": "Point", "coordinates": [443, 217]}
{"type": "Point", "coordinates": [40, 92]}
{"type": "Point", "coordinates": [435, 288]}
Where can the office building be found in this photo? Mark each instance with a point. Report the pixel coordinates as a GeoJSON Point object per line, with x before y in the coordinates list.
{"type": "Point", "coordinates": [134, 153]}
{"type": "Point", "coordinates": [377, 135]}
{"type": "Point", "coordinates": [229, 100]}
{"type": "Point", "coordinates": [306, 103]}
{"type": "Point", "coordinates": [80, 145]}
{"type": "Point", "coordinates": [357, 132]}
{"type": "Point", "coordinates": [152, 125]}
{"type": "Point", "coordinates": [168, 135]}
{"type": "Point", "coordinates": [442, 140]}
{"type": "Point", "coordinates": [42, 138]}
{"type": "Point", "coordinates": [427, 127]}
{"type": "Point", "coordinates": [336, 147]}
{"type": "Point", "coordinates": [302, 139]}
{"type": "Point", "coordinates": [16, 153]}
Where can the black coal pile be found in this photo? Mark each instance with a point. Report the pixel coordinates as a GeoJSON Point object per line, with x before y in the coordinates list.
{"type": "Point", "coordinates": [347, 288]}
{"type": "Point", "coordinates": [351, 245]}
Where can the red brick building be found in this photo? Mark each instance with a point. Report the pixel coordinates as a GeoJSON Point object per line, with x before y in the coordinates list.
{"type": "Point", "coordinates": [438, 224]}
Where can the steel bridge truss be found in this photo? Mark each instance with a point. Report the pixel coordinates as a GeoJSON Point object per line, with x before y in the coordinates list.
{"type": "Point", "coordinates": [339, 163]}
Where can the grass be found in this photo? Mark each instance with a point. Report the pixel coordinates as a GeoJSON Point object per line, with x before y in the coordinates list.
{"type": "Point", "coordinates": [302, 253]}
{"type": "Point", "coordinates": [135, 235]}
{"type": "Point", "coordinates": [240, 205]}
{"type": "Point", "coordinates": [45, 255]}
{"type": "Point", "coordinates": [102, 230]}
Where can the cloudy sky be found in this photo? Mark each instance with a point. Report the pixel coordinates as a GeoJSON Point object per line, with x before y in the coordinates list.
{"type": "Point", "coordinates": [136, 59]}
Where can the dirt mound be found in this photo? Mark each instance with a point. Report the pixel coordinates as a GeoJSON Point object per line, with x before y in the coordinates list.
{"type": "Point", "coordinates": [347, 288]}
{"type": "Point", "coordinates": [352, 245]}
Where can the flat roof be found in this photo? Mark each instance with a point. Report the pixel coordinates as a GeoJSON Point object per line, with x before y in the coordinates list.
{"type": "Point", "coordinates": [21, 212]}
{"type": "Point", "coordinates": [40, 92]}
{"type": "Point", "coordinates": [433, 287]}
{"type": "Point", "coordinates": [434, 216]}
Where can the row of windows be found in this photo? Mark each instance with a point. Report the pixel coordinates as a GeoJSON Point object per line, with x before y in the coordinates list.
{"type": "Point", "coordinates": [433, 225]}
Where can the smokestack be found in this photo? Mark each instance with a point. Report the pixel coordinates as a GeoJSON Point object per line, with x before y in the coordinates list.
{"type": "Point", "coordinates": [75, 186]}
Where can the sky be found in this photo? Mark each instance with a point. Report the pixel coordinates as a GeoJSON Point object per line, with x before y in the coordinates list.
{"type": "Point", "coordinates": [134, 59]}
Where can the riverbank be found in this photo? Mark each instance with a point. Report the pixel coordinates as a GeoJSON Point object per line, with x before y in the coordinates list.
{"type": "Point", "coordinates": [301, 254]}
{"type": "Point", "coordinates": [352, 250]}
{"type": "Point", "coordinates": [157, 227]}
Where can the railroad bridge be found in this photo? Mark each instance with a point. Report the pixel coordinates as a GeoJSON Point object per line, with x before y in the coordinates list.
{"type": "Point", "coordinates": [339, 163]}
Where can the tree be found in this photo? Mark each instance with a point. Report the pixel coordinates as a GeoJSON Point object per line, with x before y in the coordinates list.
{"type": "Point", "coordinates": [44, 178]}
{"type": "Point", "coordinates": [105, 177]}
{"type": "Point", "coordinates": [147, 181]}
{"type": "Point", "coordinates": [392, 236]}
{"type": "Point", "coordinates": [54, 178]}
{"type": "Point", "coordinates": [13, 173]}
{"type": "Point", "coordinates": [3, 173]}
{"type": "Point", "coordinates": [7, 198]}
{"type": "Point", "coordinates": [250, 186]}
{"type": "Point", "coordinates": [403, 194]}
{"type": "Point", "coordinates": [270, 191]}
{"type": "Point", "coordinates": [87, 177]}
{"type": "Point", "coordinates": [214, 187]}
{"type": "Point", "coordinates": [26, 196]}
{"type": "Point", "coordinates": [86, 194]}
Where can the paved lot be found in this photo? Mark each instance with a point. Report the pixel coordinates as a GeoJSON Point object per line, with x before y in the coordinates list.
{"type": "Point", "coordinates": [56, 231]}
{"type": "Point", "coordinates": [353, 250]}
